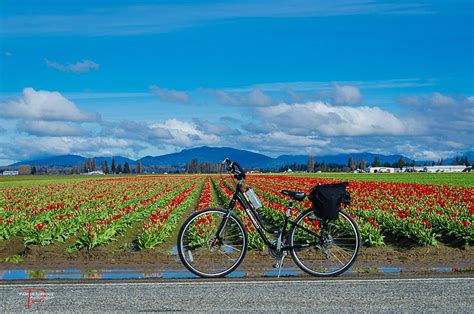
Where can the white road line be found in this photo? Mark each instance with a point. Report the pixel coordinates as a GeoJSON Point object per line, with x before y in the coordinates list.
{"type": "Point", "coordinates": [210, 283]}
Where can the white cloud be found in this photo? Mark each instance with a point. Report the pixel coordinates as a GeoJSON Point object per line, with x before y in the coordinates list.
{"type": "Point", "coordinates": [170, 95]}
{"type": "Point", "coordinates": [165, 17]}
{"type": "Point", "coordinates": [44, 105]}
{"type": "Point", "coordinates": [439, 99]}
{"type": "Point", "coordinates": [51, 128]}
{"type": "Point", "coordinates": [78, 67]}
{"type": "Point", "coordinates": [258, 98]}
{"type": "Point", "coordinates": [24, 148]}
{"type": "Point", "coordinates": [254, 97]}
{"type": "Point", "coordinates": [328, 120]}
{"type": "Point", "coordinates": [134, 130]}
{"type": "Point", "coordinates": [186, 134]}
{"type": "Point", "coordinates": [215, 128]}
{"type": "Point", "coordinates": [410, 101]}
{"type": "Point", "coordinates": [346, 94]}
{"type": "Point", "coordinates": [282, 142]}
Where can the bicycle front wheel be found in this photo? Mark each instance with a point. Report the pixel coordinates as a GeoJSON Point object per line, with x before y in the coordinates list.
{"type": "Point", "coordinates": [205, 255]}
{"type": "Point", "coordinates": [326, 247]}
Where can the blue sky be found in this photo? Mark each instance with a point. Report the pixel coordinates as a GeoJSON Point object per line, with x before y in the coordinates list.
{"type": "Point", "coordinates": [278, 77]}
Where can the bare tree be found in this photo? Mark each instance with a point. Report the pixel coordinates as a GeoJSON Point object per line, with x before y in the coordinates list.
{"type": "Point", "coordinates": [310, 164]}
{"type": "Point", "coordinates": [105, 167]}
{"type": "Point", "coordinates": [139, 166]}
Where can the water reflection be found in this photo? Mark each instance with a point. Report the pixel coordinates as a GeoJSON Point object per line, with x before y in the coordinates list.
{"type": "Point", "coordinates": [19, 274]}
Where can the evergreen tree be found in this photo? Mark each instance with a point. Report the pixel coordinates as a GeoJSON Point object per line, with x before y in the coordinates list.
{"type": "Point", "coordinates": [377, 162]}
{"type": "Point", "coordinates": [33, 170]}
{"type": "Point", "coordinates": [401, 163]}
{"type": "Point", "coordinates": [119, 168]}
{"type": "Point", "coordinates": [362, 164]}
{"type": "Point", "coordinates": [126, 168]}
{"type": "Point", "coordinates": [351, 163]}
{"type": "Point", "coordinates": [456, 161]}
{"type": "Point", "coordinates": [114, 166]}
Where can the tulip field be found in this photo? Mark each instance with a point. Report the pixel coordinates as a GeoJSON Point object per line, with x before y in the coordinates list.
{"type": "Point", "coordinates": [148, 210]}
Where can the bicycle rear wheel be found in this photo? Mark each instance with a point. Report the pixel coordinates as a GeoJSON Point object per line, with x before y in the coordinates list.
{"type": "Point", "coordinates": [330, 246]}
{"type": "Point", "coordinates": [205, 255]}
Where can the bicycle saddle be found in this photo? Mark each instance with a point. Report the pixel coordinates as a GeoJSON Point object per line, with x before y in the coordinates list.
{"type": "Point", "coordinates": [297, 196]}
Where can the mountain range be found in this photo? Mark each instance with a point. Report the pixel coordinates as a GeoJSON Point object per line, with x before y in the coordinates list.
{"type": "Point", "coordinates": [217, 154]}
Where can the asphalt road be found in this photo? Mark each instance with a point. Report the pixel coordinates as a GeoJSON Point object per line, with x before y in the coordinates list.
{"type": "Point", "coordinates": [390, 294]}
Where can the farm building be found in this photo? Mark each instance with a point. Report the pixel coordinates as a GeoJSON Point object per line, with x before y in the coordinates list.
{"type": "Point", "coordinates": [450, 168]}
{"type": "Point", "coordinates": [93, 173]}
{"type": "Point", "coordinates": [381, 170]}
{"type": "Point", "coordinates": [10, 173]}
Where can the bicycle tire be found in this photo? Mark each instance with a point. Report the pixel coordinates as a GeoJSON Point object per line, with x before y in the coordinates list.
{"type": "Point", "coordinates": [186, 235]}
{"type": "Point", "coordinates": [322, 253]}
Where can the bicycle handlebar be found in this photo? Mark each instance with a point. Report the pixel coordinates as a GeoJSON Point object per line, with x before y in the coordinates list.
{"type": "Point", "coordinates": [234, 168]}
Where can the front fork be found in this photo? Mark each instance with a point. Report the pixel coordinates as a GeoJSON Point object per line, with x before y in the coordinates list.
{"type": "Point", "coordinates": [226, 218]}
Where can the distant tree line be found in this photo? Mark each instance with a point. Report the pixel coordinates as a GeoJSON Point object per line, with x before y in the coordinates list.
{"type": "Point", "coordinates": [195, 166]}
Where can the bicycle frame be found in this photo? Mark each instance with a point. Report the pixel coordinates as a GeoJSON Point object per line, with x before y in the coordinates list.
{"type": "Point", "coordinates": [281, 233]}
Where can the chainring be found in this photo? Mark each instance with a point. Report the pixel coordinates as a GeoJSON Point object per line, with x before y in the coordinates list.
{"type": "Point", "coordinates": [274, 253]}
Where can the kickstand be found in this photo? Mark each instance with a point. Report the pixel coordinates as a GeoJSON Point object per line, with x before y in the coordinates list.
{"type": "Point", "coordinates": [280, 264]}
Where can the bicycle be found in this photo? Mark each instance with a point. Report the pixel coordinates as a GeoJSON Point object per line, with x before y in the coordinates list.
{"type": "Point", "coordinates": [213, 242]}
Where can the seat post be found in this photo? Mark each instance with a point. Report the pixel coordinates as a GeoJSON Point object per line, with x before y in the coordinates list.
{"type": "Point", "coordinates": [288, 210]}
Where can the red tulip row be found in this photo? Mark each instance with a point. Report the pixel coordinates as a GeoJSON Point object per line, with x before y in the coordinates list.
{"type": "Point", "coordinates": [164, 220]}
{"type": "Point", "coordinates": [419, 213]}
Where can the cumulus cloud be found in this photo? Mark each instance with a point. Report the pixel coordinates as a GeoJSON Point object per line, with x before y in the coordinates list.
{"type": "Point", "coordinates": [51, 128]}
{"type": "Point", "coordinates": [410, 101]}
{"type": "Point", "coordinates": [44, 105]}
{"type": "Point", "coordinates": [135, 130]}
{"type": "Point", "coordinates": [215, 128]}
{"type": "Point", "coordinates": [23, 148]}
{"type": "Point", "coordinates": [421, 152]}
{"type": "Point", "coordinates": [170, 95]}
{"type": "Point", "coordinates": [187, 134]}
{"type": "Point", "coordinates": [328, 120]}
{"type": "Point", "coordinates": [439, 99]}
{"type": "Point", "coordinates": [78, 67]}
{"type": "Point", "coordinates": [255, 97]}
{"type": "Point", "coordinates": [446, 116]}
{"type": "Point", "coordinates": [281, 142]}
{"type": "Point", "coordinates": [346, 95]}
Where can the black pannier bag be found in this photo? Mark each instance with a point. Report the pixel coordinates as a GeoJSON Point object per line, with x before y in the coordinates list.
{"type": "Point", "coordinates": [327, 199]}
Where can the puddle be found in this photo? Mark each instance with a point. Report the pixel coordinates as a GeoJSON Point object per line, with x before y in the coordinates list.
{"type": "Point", "coordinates": [126, 273]}
{"type": "Point", "coordinates": [285, 272]}
{"type": "Point", "coordinates": [446, 269]}
{"type": "Point", "coordinates": [174, 250]}
{"type": "Point", "coordinates": [390, 270]}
